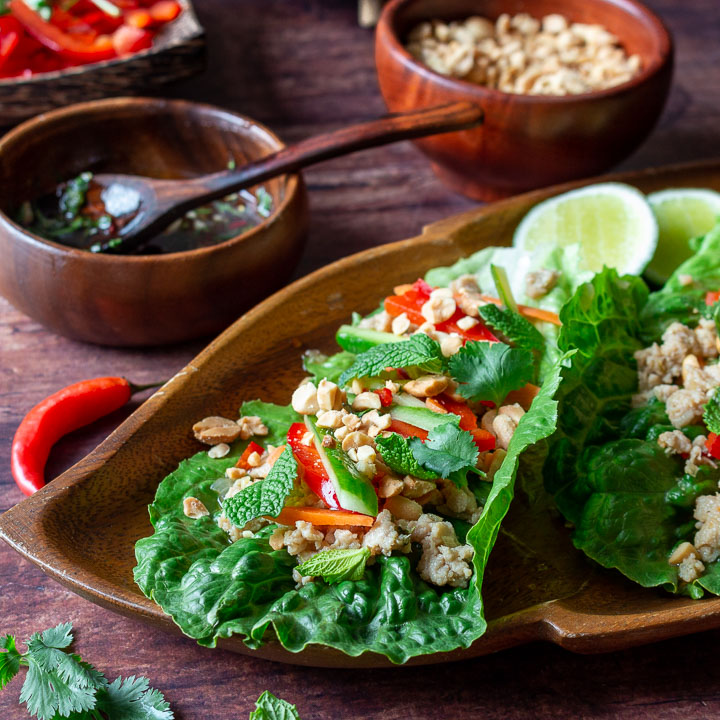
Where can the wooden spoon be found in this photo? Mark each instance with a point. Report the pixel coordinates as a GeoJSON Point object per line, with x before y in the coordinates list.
{"type": "Point", "coordinates": [146, 206]}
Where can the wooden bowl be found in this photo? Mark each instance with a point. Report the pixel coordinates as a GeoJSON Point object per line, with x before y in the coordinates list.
{"type": "Point", "coordinates": [178, 51]}
{"type": "Point", "coordinates": [153, 299]}
{"type": "Point", "coordinates": [528, 141]}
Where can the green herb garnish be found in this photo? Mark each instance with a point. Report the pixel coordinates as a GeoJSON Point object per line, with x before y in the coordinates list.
{"type": "Point", "coordinates": [335, 566]}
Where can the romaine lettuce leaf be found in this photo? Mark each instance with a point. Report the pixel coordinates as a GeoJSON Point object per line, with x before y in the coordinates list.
{"type": "Point", "coordinates": [213, 588]}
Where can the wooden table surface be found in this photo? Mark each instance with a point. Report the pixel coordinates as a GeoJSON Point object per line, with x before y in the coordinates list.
{"type": "Point", "coordinates": [302, 67]}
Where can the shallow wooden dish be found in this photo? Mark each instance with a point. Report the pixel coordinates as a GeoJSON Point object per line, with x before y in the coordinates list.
{"type": "Point", "coordinates": [178, 52]}
{"type": "Point", "coordinates": [140, 300]}
{"type": "Point", "coordinates": [82, 527]}
{"type": "Point", "coordinates": [528, 141]}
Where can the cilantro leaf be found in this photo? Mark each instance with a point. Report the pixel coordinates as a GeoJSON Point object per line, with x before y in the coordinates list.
{"type": "Point", "coordinates": [489, 371]}
{"type": "Point", "coordinates": [448, 451]}
{"type": "Point", "coordinates": [133, 699]}
{"type": "Point", "coordinates": [269, 707]}
{"type": "Point", "coordinates": [337, 565]}
{"type": "Point", "coordinates": [518, 331]}
{"type": "Point", "coordinates": [397, 455]}
{"type": "Point", "coordinates": [46, 694]}
{"type": "Point", "coordinates": [9, 660]}
{"type": "Point", "coordinates": [419, 351]}
{"type": "Point", "coordinates": [265, 497]}
{"type": "Point", "coordinates": [711, 416]}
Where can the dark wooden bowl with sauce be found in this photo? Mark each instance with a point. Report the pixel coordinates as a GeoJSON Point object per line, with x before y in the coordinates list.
{"type": "Point", "coordinates": [528, 141]}
{"type": "Point", "coordinates": [137, 300]}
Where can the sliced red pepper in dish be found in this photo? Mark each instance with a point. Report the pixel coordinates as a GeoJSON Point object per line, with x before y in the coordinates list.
{"type": "Point", "coordinates": [712, 297]}
{"type": "Point", "coordinates": [713, 445]}
{"type": "Point", "coordinates": [386, 396]}
{"type": "Point", "coordinates": [165, 11]}
{"type": "Point", "coordinates": [311, 467]}
{"type": "Point", "coordinates": [249, 450]}
{"type": "Point", "coordinates": [468, 421]}
{"type": "Point", "coordinates": [61, 42]}
{"type": "Point", "coordinates": [10, 34]}
{"type": "Point", "coordinates": [411, 302]}
{"type": "Point", "coordinates": [407, 430]}
{"type": "Point", "coordinates": [128, 39]}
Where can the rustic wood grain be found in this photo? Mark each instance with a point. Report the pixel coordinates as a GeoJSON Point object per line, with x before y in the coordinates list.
{"type": "Point", "coordinates": [312, 71]}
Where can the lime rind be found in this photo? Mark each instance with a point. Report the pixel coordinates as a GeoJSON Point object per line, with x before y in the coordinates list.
{"type": "Point", "coordinates": [682, 214]}
{"type": "Point", "coordinates": [612, 223]}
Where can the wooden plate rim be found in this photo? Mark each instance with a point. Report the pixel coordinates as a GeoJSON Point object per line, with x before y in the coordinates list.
{"type": "Point", "coordinates": [550, 621]}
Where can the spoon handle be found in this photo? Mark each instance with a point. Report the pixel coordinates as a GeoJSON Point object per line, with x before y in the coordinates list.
{"type": "Point", "coordinates": [389, 129]}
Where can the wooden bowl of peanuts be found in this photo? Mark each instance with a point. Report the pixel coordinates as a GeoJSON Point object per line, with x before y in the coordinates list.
{"type": "Point", "coordinates": [569, 87]}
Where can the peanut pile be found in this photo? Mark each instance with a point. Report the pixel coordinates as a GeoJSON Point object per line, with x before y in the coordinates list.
{"type": "Point", "coordinates": [521, 54]}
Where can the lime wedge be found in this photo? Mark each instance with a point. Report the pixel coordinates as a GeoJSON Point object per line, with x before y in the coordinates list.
{"type": "Point", "coordinates": [682, 214]}
{"type": "Point", "coordinates": [611, 223]}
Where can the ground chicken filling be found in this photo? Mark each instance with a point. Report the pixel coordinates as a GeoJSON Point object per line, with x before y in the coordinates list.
{"type": "Point", "coordinates": [683, 372]}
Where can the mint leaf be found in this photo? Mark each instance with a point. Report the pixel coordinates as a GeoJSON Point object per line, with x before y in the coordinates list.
{"type": "Point", "coordinates": [397, 455]}
{"type": "Point", "coordinates": [448, 451]}
{"type": "Point", "coordinates": [265, 497]}
{"type": "Point", "coordinates": [711, 416]}
{"type": "Point", "coordinates": [133, 699]}
{"type": "Point", "coordinates": [334, 566]}
{"type": "Point", "coordinates": [518, 331]}
{"type": "Point", "coordinates": [419, 351]}
{"type": "Point", "coordinates": [269, 707]}
{"type": "Point", "coordinates": [9, 660]}
{"type": "Point", "coordinates": [489, 371]}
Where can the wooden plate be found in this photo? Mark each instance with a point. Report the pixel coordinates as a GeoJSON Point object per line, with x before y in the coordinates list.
{"type": "Point", "coordinates": [177, 52]}
{"type": "Point", "coordinates": [82, 527]}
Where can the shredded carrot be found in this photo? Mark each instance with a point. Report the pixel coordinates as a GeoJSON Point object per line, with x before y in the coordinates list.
{"type": "Point", "coordinates": [529, 312]}
{"type": "Point", "coordinates": [523, 396]}
{"type": "Point", "coordinates": [275, 454]}
{"type": "Point", "coordinates": [323, 516]}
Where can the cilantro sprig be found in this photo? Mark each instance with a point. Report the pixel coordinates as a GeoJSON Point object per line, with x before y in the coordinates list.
{"type": "Point", "coordinates": [397, 455]}
{"type": "Point", "coordinates": [59, 684]}
{"type": "Point", "coordinates": [448, 451]}
{"type": "Point", "coordinates": [336, 565]}
{"type": "Point", "coordinates": [265, 497]}
{"type": "Point", "coordinates": [419, 351]}
{"type": "Point", "coordinates": [489, 371]}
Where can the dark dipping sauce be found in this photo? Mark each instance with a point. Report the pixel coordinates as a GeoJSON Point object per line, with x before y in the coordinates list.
{"type": "Point", "coordinates": [75, 215]}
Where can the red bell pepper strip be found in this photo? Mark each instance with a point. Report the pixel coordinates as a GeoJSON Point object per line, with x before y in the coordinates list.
{"type": "Point", "coordinates": [712, 297]}
{"type": "Point", "coordinates": [61, 413]}
{"type": "Point", "coordinates": [63, 43]}
{"type": "Point", "coordinates": [386, 397]}
{"type": "Point", "coordinates": [411, 302]}
{"type": "Point", "coordinates": [468, 421]}
{"type": "Point", "coordinates": [407, 430]}
{"type": "Point", "coordinates": [311, 468]}
{"type": "Point", "coordinates": [249, 450]}
{"type": "Point", "coordinates": [10, 33]}
{"type": "Point", "coordinates": [128, 39]}
{"type": "Point", "coordinates": [713, 445]}
{"type": "Point", "coordinates": [165, 11]}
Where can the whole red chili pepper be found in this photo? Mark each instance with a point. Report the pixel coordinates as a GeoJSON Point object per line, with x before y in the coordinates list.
{"type": "Point", "coordinates": [61, 413]}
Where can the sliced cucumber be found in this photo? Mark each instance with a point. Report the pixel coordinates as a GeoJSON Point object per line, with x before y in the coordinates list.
{"type": "Point", "coordinates": [357, 339]}
{"type": "Point", "coordinates": [354, 491]}
{"type": "Point", "coordinates": [408, 401]}
{"type": "Point", "coordinates": [422, 417]}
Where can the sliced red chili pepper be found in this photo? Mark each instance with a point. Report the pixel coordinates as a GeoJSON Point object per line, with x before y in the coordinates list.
{"type": "Point", "coordinates": [311, 467]}
{"type": "Point", "coordinates": [10, 34]}
{"type": "Point", "coordinates": [128, 39]}
{"type": "Point", "coordinates": [249, 450]}
{"type": "Point", "coordinates": [165, 11]}
{"type": "Point", "coordinates": [468, 419]}
{"type": "Point", "coordinates": [483, 439]}
{"type": "Point", "coordinates": [712, 297]}
{"type": "Point", "coordinates": [59, 41]}
{"type": "Point", "coordinates": [713, 445]}
{"type": "Point", "coordinates": [60, 413]}
{"type": "Point", "coordinates": [407, 430]}
{"type": "Point", "coordinates": [386, 397]}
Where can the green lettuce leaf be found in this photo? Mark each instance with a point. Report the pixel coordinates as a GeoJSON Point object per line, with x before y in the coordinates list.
{"type": "Point", "coordinates": [419, 351]}
{"type": "Point", "coordinates": [213, 588]}
{"type": "Point", "coordinates": [330, 368]}
{"type": "Point", "coordinates": [711, 416]}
